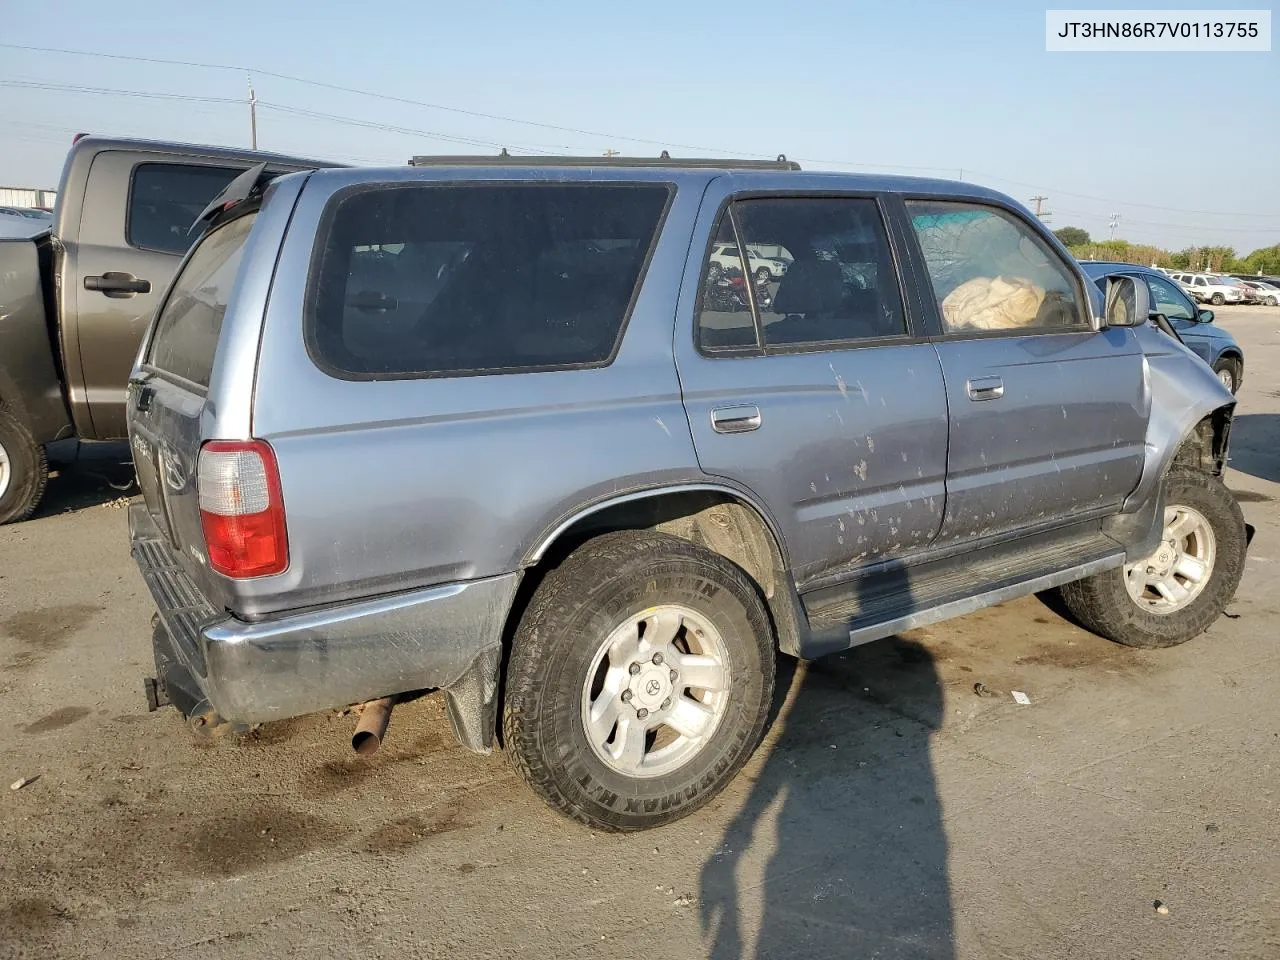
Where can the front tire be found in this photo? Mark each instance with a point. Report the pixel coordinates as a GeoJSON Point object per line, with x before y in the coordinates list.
{"type": "Point", "coordinates": [1218, 299]}
{"type": "Point", "coordinates": [1228, 371]}
{"type": "Point", "coordinates": [1180, 590]}
{"type": "Point", "coordinates": [23, 470]}
{"type": "Point", "coordinates": [763, 275]}
{"type": "Point", "coordinates": [639, 681]}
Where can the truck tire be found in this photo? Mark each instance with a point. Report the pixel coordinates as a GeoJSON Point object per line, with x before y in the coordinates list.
{"type": "Point", "coordinates": [639, 681]}
{"type": "Point", "coordinates": [1182, 588]}
{"type": "Point", "coordinates": [23, 470]}
{"type": "Point", "coordinates": [1217, 299]}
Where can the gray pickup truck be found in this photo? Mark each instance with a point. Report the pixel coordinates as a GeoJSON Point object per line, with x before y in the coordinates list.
{"type": "Point", "coordinates": [75, 302]}
{"type": "Point", "coordinates": [499, 429]}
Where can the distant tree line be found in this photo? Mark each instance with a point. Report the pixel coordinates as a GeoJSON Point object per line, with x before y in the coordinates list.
{"type": "Point", "coordinates": [1265, 260]}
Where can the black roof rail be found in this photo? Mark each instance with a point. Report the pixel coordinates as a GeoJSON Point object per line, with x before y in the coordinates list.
{"type": "Point", "coordinates": [665, 160]}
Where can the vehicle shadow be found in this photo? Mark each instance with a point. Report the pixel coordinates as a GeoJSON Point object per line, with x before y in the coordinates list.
{"type": "Point", "coordinates": [96, 474]}
{"type": "Point", "coordinates": [1255, 445]}
{"type": "Point", "coordinates": [839, 848]}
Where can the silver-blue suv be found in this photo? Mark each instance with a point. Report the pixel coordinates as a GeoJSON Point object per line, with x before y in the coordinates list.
{"type": "Point", "coordinates": [497, 429]}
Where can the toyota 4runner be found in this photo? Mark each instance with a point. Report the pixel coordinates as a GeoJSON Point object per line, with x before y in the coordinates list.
{"type": "Point", "coordinates": [480, 427]}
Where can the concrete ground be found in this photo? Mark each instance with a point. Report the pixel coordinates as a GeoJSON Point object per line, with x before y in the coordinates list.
{"type": "Point", "coordinates": [890, 813]}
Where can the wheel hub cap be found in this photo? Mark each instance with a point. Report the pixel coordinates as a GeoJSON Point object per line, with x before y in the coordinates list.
{"type": "Point", "coordinates": [1179, 569]}
{"type": "Point", "coordinates": [656, 691]}
{"type": "Point", "coordinates": [650, 687]}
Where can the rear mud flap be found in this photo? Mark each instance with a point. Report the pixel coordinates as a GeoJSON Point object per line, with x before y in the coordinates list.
{"type": "Point", "coordinates": [471, 702]}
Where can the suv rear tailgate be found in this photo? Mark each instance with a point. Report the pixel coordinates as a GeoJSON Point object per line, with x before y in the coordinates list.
{"type": "Point", "coordinates": [169, 390]}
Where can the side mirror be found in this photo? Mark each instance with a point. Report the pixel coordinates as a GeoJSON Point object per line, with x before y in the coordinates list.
{"type": "Point", "coordinates": [1128, 302]}
{"type": "Point", "coordinates": [1204, 316]}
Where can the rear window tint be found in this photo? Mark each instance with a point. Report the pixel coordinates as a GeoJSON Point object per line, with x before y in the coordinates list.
{"type": "Point", "coordinates": [166, 198]}
{"type": "Point", "coordinates": [187, 329]}
{"type": "Point", "coordinates": [437, 279]}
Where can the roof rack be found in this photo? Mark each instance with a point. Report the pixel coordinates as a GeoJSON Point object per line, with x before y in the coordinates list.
{"type": "Point", "coordinates": [664, 160]}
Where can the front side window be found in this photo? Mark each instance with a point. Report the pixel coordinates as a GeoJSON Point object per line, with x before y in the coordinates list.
{"type": "Point", "coordinates": [187, 329]}
{"type": "Point", "coordinates": [433, 279]}
{"type": "Point", "coordinates": [1169, 300]}
{"type": "Point", "coordinates": [991, 272]}
{"type": "Point", "coordinates": [166, 198]}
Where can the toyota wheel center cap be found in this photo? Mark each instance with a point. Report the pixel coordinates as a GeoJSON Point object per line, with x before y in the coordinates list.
{"type": "Point", "coordinates": [649, 688]}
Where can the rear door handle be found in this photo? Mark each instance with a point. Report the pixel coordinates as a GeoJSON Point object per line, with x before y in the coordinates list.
{"type": "Point", "coordinates": [737, 419]}
{"type": "Point", "coordinates": [985, 388]}
{"type": "Point", "coordinates": [115, 284]}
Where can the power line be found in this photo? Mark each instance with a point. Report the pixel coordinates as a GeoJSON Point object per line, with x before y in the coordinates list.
{"type": "Point", "coordinates": [111, 91]}
{"type": "Point", "coordinates": [580, 131]}
{"type": "Point", "coordinates": [464, 112]}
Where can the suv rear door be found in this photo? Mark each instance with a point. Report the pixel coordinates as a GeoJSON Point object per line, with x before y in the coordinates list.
{"type": "Point", "coordinates": [809, 391]}
{"type": "Point", "coordinates": [1048, 415]}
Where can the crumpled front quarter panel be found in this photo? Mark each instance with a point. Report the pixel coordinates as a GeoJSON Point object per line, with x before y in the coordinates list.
{"type": "Point", "coordinates": [1183, 391]}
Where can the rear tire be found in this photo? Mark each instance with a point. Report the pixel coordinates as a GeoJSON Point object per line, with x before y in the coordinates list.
{"type": "Point", "coordinates": [1228, 369]}
{"type": "Point", "coordinates": [1105, 604]}
{"type": "Point", "coordinates": [23, 470]}
{"type": "Point", "coordinates": [585, 682]}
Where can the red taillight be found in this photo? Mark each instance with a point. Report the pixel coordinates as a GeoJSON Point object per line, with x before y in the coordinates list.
{"type": "Point", "coordinates": [242, 509]}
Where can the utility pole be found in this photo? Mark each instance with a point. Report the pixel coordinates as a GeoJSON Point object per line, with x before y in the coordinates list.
{"type": "Point", "coordinates": [1041, 214]}
{"type": "Point", "coordinates": [1114, 224]}
{"type": "Point", "coordinates": [253, 114]}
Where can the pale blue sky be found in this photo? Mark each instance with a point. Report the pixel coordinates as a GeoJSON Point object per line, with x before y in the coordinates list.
{"type": "Point", "coordinates": [934, 88]}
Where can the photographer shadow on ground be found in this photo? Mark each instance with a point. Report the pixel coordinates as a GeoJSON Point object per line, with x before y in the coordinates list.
{"type": "Point", "coordinates": [839, 850]}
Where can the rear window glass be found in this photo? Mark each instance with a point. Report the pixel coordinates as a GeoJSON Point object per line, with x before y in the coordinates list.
{"type": "Point", "coordinates": [187, 329]}
{"type": "Point", "coordinates": [166, 198]}
{"type": "Point", "coordinates": [439, 279]}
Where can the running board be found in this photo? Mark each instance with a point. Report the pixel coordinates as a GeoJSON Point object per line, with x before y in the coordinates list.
{"type": "Point", "coordinates": [882, 604]}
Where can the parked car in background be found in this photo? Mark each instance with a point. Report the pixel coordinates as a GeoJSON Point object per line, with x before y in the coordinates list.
{"type": "Point", "coordinates": [1266, 288]}
{"type": "Point", "coordinates": [1195, 327]}
{"type": "Point", "coordinates": [28, 213]}
{"type": "Point", "coordinates": [341, 499]}
{"type": "Point", "coordinates": [1268, 294]}
{"type": "Point", "coordinates": [1209, 288]}
{"type": "Point", "coordinates": [123, 223]}
{"type": "Point", "coordinates": [1247, 293]}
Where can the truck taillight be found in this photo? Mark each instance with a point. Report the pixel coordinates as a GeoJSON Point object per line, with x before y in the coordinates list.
{"type": "Point", "coordinates": [242, 509]}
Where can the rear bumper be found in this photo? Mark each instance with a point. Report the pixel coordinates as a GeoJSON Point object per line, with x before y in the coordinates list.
{"type": "Point", "coordinates": [447, 636]}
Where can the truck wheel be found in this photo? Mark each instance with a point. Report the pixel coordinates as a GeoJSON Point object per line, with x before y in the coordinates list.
{"type": "Point", "coordinates": [1181, 589]}
{"type": "Point", "coordinates": [23, 470]}
{"type": "Point", "coordinates": [1217, 299]}
{"type": "Point", "coordinates": [639, 681]}
{"type": "Point", "coordinates": [1228, 371]}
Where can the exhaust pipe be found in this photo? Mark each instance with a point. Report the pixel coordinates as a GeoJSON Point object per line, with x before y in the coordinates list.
{"type": "Point", "coordinates": [374, 717]}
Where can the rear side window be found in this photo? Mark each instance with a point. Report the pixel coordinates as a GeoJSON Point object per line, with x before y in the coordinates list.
{"type": "Point", "coordinates": [166, 198]}
{"type": "Point", "coordinates": [830, 280]}
{"type": "Point", "coordinates": [438, 279]}
{"type": "Point", "coordinates": [187, 329]}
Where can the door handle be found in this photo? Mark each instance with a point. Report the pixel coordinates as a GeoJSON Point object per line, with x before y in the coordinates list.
{"type": "Point", "coordinates": [985, 388]}
{"type": "Point", "coordinates": [116, 285]}
{"type": "Point", "coordinates": [737, 419]}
